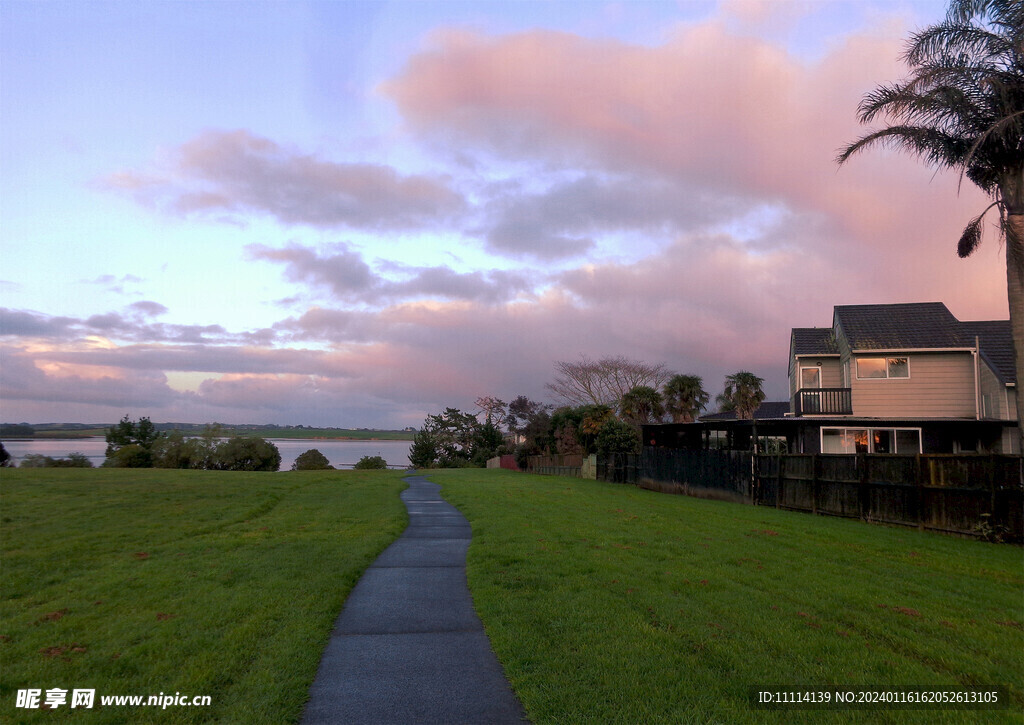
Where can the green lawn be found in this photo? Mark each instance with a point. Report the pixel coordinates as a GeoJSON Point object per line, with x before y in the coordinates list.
{"type": "Point", "coordinates": [203, 583]}
{"type": "Point", "coordinates": [610, 604]}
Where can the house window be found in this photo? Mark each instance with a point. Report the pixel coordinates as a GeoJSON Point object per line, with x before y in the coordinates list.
{"type": "Point", "coordinates": [810, 378]}
{"type": "Point", "coordinates": [871, 440]}
{"type": "Point", "coordinates": [882, 367]}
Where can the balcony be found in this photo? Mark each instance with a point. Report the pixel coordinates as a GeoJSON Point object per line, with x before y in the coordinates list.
{"type": "Point", "coordinates": [823, 401]}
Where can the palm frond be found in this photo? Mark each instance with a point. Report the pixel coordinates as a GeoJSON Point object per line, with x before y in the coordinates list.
{"type": "Point", "coordinates": [970, 239]}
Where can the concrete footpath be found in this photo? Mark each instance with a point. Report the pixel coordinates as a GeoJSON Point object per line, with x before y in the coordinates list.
{"type": "Point", "coordinates": [408, 646]}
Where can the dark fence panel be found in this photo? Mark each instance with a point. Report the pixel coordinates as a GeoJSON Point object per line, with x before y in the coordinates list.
{"type": "Point", "coordinates": [618, 468]}
{"type": "Point", "coordinates": [974, 495]}
{"type": "Point", "coordinates": [555, 465]}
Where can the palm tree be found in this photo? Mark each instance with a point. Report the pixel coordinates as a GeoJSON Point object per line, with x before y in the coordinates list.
{"type": "Point", "coordinates": [742, 393]}
{"type": "Point", "coordinates": [685, 397]}
{"type": "Point", "coordinates": [642, 404]}
{"type": "Point", "coordinates": [963, 108]}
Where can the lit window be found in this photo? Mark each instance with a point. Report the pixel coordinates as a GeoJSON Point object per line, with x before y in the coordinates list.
{"type": "Point", "coordinates": [898, 367]}
{"type": "Point", "coordinates": [882, 367]}
{"type": "Point", "coordinates": [874, 440]}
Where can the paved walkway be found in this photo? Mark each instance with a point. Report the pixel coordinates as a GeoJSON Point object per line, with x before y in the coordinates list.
{"type": "Point", "coordinates": [408, 647]}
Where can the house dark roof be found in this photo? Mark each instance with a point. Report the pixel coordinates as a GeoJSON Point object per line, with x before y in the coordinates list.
{"type": "Point", "coordinates": [996, 342]}
{"type": "Point", "coordinates": [919, 325]}
{"type": "Point", "coordinates": [765, 410]}
{"type": "Point", "coordinates": [814, 341]}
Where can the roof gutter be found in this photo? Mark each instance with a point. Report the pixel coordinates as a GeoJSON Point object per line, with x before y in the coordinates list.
{"type": "Point", "coordinates": [906, 350]}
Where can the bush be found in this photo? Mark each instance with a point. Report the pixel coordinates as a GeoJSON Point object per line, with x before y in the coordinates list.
{"type": "Point", "coordinates": [74, 460]}
{"type": "Point", "coordinates": [177, 451]}
{"type": "Point", "coordinates": [5, 457]}
{"type": "Point", "coordinates": [615, 436]}
{"type": "Point", "coordinates": [370, 463]}
{"type": "Point", "coordinates": [312, 460]}
{"type": "Point", "coordinates": [35, 460]}
{"type": "Point", "coordinates": [243, 453]}
{"type": "Point", "coordinates": [129, 456]}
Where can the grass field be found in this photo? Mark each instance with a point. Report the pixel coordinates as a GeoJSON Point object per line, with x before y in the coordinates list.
{"type": "Point", "coordinates": [610, 604]}
{"type": "Point", "coordinates": [203, 583]}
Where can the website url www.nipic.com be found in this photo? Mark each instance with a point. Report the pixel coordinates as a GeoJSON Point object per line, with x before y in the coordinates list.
{"type": "Point", "coordinates": [57, 697]}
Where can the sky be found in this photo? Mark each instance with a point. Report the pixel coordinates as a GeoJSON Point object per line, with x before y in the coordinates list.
{"type": "Point", "coordinates": [354, 214]}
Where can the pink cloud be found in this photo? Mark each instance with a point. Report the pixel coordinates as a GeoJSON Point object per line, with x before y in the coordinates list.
{"type": "Point", "coordinates": [236, 171]}
{"type": "Point", "coordinates": [729, 116]}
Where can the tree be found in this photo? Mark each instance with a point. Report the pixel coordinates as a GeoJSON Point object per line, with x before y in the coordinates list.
{"type": "Point", "coordinates": [642, 405]}
{"type": "Point", "coordinates": [5, 457]}
{"type": "Point", "coordinates": [605, 381]}
{"type": "Point", "coordinates": [521, 412]}
{"type": "Point", "coordinates": [129, 456]}
{"type": "Point", "coordinates": [423, 451]}
{"type": "Point", "coordinates": [742, 394]}
{"type": "Point", "coordinates": [963, 108]}
{"type": "Point", "coordinates": [247, 453]}
{"type": "Point", "coordinates": [141, 436]}
{"type": "Point", "coordinates": [370, 463]}
{"type": "Point", "coordinates": [488, 442]}
{"type": "Point", "coordinates": [453, 432]}
{"type": "Point", "coordinates": [313, 460]}
{"type": "Point", "coordinates": [493, 409]}
{"type": "Point", "coordinates": [685, 398]}
{"type": "Point", "coordinates": [617, 436]}
{"type": "Point", "coordinates": [174, 450]}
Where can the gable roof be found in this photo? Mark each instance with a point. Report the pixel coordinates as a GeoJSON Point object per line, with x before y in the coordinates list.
{"type": "Point", "coordinates": [916, 325]}
{"type": "Point", "coordinates": [996, 341]}
{"type": "Point", "coordinates": [814, 341]}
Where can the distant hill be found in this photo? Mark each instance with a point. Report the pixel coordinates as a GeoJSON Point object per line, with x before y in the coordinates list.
{"type": "Point", "coordinates": [80, 430]}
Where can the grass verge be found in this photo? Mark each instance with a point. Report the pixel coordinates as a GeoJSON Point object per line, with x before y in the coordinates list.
{"type": "Point", "coordinates": [609, 604]}
{"type": "Point", "coordinates": [204, 583]}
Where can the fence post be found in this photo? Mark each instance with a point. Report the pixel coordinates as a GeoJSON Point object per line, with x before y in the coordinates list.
{"type": "Point", "coordinates": [781, 476]}
{"type": "Point", "coordinates": [814, 482]}
{"type": "Point", "coordinates": [919, 482]}
{"type": "Point", "coordinates": [862, 489]}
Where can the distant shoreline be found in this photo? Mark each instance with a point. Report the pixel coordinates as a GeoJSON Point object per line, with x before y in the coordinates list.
{"type": "Point", "coordinates": [228, 432]}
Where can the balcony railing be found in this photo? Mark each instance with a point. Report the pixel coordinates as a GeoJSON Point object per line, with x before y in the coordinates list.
{"type": "Point", "coordinates": [823, 401]}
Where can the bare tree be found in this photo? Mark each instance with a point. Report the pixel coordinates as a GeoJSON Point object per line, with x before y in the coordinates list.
{"type": "Point", "coordinates": [493, 409]}
{"type": "Point", "coordinates": [604, 381]}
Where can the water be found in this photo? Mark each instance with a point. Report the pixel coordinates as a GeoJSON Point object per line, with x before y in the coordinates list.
{"type": "Point", "coordinates": [341, 454]}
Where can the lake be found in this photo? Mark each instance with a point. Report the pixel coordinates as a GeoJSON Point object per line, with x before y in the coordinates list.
{"type": "Point", "coordinates": [341, 454]}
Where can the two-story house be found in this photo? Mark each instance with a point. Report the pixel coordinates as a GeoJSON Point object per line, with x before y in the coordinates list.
{"type": "Point", "coordinates": [902, 378]}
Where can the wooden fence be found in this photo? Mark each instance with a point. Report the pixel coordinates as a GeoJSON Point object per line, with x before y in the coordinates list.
{"type": "Point", "coordinates": [968, 494]}
{"type": "Point", "coordinates": [556, 465]}
{"type": "Point", "coordinates": [955, 494]}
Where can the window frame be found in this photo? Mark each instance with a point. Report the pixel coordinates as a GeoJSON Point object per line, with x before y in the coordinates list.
{"type": "Point", "coordinates": [816, 368]}
{"type": "Point", "coordinates": [886, 363]}
{"type": "Point", "coordinates": [846, 430]}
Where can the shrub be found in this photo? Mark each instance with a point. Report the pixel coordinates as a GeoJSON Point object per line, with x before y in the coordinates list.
{"type": "Point", "coordinates": [5, 457]}
{"type": "Point", "coordinates": [312, 460]}
{"type": "Point", "coordinates": [74, 460]}
{"type": "Point", "coordinates": [369, 463]}
{"type": "Point", "coordinates": [129, 456]}
{"type": "Point", "coordinates": [616, 436]}
{"type": "Point", "coordinates": [244, 453]}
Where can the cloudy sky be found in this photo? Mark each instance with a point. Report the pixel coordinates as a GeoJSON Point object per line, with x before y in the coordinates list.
{"type": "Point", "coordinates": [357, 213]}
